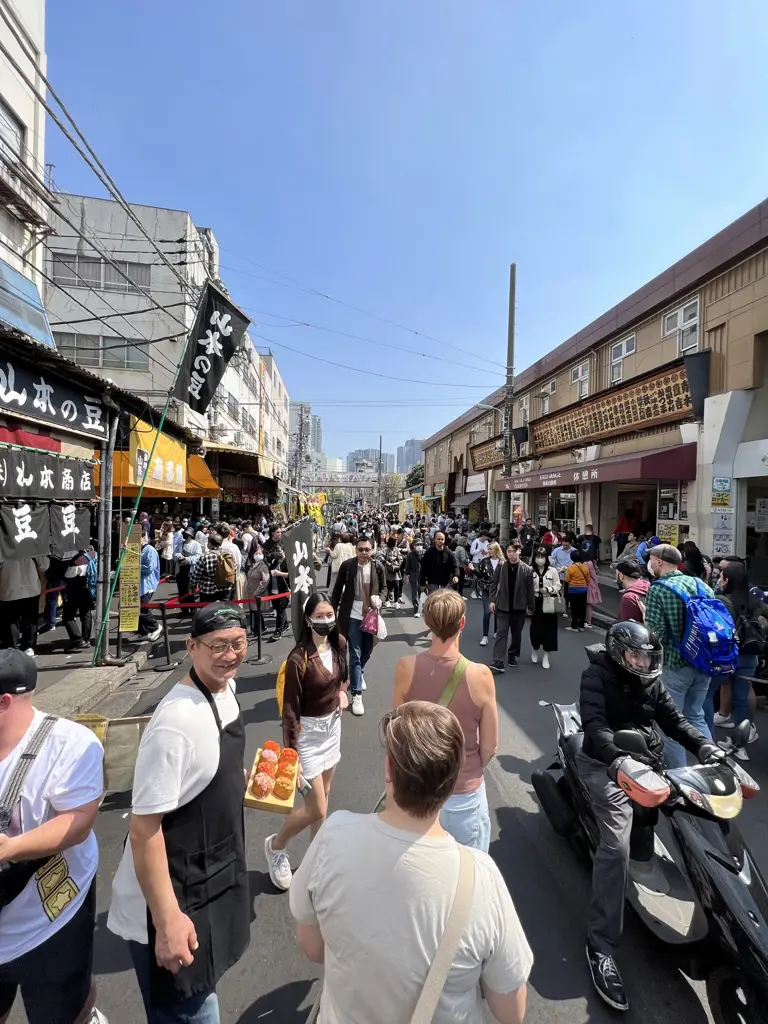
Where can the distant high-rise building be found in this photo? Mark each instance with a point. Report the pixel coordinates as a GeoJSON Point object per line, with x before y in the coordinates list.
{"type": "Point", "coordinates": [371, 455]}
{"type": "Point", "coordinates": [409, 455]}
{"type": "Point", "coordinates": [387, 462]}
{"type": "Point", "coordinates": [300, 412]}
{"type": "Point", "coordinates": [316, 434]}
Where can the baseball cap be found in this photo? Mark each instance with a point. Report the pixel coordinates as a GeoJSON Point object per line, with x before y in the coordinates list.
{"type": "Point", "coordinates": [219, 615]}
{"type": "Point", "coordinates": [629, 567]}
{"type": "Point", "coordinates": [667, 553]}
{"type": "Point", "coordinates": [18, 672]}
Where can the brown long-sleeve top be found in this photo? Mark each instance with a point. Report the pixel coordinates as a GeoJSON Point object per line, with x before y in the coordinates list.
{"type": "Point", "coordinates": [310, 690]}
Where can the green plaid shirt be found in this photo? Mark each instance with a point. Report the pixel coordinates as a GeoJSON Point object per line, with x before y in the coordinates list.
{"type": "Point", "coordinates": [665, 614]}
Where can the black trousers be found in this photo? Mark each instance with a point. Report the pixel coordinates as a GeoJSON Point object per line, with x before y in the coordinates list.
{"type": "Point", "coordinates": [281, 617]}
{"type": "Point", "coordinates": [578, 610]}
{"type": "Point", "coordinates": [78, 609]}
{"type": "Point", "coordinates": [147, 621]}
{"type": "Point", "coordinates": [18, 622]}
{"type": "Point", "coordinates": [508, 623]}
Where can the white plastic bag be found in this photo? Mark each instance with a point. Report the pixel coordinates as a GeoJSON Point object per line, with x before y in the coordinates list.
{"type": "Point", "coordinates": [381, 632]}
{"type": "Point", "coordinates": [422, 601]}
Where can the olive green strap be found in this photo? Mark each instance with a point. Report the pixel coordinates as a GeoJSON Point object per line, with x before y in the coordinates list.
{"type": "Point", "coordinates": [453, 681]}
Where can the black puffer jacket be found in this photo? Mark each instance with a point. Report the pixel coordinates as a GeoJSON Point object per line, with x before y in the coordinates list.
{"type": "Point", "coordinates": [612, 699]}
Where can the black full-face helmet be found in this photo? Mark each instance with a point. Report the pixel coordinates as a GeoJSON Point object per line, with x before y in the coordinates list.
{"type": "Point", "coordinates": [635, 649]}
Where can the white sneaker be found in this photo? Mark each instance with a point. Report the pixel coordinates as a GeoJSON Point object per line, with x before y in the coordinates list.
{"type": "Point", "coordinates": [566, 615]}
{"type": "Point", "coordinates": [545, 660]}
{"type": "Point", "coordinates": [742, 755]}
{"type": "Point", "coordinates": [753, 734]}
{"type": "Point", "coordinates": [155, 634]}
{"type": "Point", "coordinates": [417, 615]}
{"type": "Point", "coordinates": [401, 602]}
{"type": "Point", "coordinates": [30, 652]}
{"type": "Point", "coordinates": [484, 642]}
{"type": "Point", "coordinates": [724, 721]}
{"type": "Point", "coordinates": [97, 1017]}
{"type": "Point", "coordinates": [389, 604]}
{"type": "Point", "coordinates": [475, 597]}
{"type": "Point", "coordinates": [365, 685]}
{"type": "Point", "coordinates": [278, 864]}
{"type": "Point", "coordinates": [535, 657]}
{"type": "Point", "coordinates": [357, 704]}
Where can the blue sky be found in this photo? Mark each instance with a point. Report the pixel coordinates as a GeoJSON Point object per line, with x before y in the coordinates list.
{"type": "Point", "coordinates": [398, 156]}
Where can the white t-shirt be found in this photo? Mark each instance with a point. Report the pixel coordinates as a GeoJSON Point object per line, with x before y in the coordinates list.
{"type": "Point", "coordinates": [178, 757]}
{"type": "Point", "coordinates": [479, 550]}
{"type": "Point", "coordinates": [327, 659]}
{"type": "Point", "coordinates": [235, 551]}
{"type": "Point", "coordinates": [67, 773]}
{"type": "Point", "coordinates": [382, 897]}
{"type": "Point", "coordinates": [357, 606]}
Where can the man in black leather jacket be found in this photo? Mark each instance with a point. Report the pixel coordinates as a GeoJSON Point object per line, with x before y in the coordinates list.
{"type": "Point", "coordinates": [621, 688]}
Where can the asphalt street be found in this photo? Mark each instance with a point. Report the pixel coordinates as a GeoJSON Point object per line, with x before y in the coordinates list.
{"type": "Point", "coordinates": [550, 887]}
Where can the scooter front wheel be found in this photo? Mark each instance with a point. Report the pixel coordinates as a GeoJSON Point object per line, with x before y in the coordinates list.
{"type": "Point", "coordinates": [733, 999]}
{"type": "Point", "coordinates": [560, 815]}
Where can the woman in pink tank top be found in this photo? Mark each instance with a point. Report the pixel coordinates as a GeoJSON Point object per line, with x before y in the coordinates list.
{"type": "Point", "coordinates": [442, 676]}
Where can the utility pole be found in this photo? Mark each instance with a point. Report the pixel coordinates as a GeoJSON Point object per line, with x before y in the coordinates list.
{"type": "Point", "coordinates": [380, 441]}
{"type": "Point", "coordinates": [505, 512]}
{"type": "Point", "coordinates": [300, 455]}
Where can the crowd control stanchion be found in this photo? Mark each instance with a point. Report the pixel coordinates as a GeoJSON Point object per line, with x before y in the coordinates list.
{"type": "Point", "coordinates": [260, 659]}
{"type": "Point", "coordinates": [167, 641]}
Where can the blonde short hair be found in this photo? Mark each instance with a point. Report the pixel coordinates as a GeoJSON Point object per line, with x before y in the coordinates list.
{"type": "Point", "coordinates": [443, 612]}
{"type": "Point", "coordinates": [425, 747]}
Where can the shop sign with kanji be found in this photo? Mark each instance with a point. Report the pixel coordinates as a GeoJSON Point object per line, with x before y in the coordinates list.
{"type": "Point", "coordinates": [43, 397]}
{"type": "Point", "coordinates": [35, 474]}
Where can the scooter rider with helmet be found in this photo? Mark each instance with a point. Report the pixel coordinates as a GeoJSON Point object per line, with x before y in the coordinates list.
{"type": "Point", "coordinates": [621, 688]}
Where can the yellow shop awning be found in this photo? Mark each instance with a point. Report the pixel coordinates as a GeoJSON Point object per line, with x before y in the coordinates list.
{"type": "Point", "coordinates": [200, 481]}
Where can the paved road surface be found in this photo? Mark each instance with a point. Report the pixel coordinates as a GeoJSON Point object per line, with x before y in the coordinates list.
{"type": "Point", "coordinates": [274, 983]}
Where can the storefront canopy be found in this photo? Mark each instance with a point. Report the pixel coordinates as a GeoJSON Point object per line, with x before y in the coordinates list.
{"type": "Point", "coordinates": [675, 463]}
{"type": "Point", "coordinates": [200, 480]}
{"type": "Point", "coordinates": [432, 497]}
{"type": "Point", "coordinates": [466, 499]}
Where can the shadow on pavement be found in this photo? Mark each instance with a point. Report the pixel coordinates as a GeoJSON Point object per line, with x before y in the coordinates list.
{"type": "Point", "coordinates": [259, 883]}
{"type": "Point", "coordinates": [286, 1005]}
{"type": "Point", "coordinates": [110, 952]}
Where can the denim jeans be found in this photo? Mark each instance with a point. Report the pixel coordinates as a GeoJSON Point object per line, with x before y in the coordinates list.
{"type": "Point", "coordinates": [199, 1009]}
{"type": "Point", "coordinates": [740, 687]}
{"type": "Point", "coordinates": [486, 611]}
{"type": "Point", "coordinates": [360, 648]}
{"type": "Point", "coordinates": [466, 817]}
{"type": "Point", "coordinates": [688, 688]}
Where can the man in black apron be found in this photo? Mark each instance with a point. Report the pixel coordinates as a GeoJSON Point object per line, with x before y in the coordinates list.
{"type": "Point", "coordinates": [186, 850]}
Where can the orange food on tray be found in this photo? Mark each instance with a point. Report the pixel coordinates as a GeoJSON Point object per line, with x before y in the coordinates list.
{"type": "Point", "coordinates": [287, 771]}
{"type": "Point", "coordinates": [271, 745]}
{"type": "Point", "coordinates": [262, 784]}
{"type": "Point", "coordinates": [267, 768]}
{"type": "Point", "coordinates": [283, 788]}
{"type": "Point", "coordinates": [288, 756]}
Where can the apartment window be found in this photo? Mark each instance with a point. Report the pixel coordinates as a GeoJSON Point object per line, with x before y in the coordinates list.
{"type": "Point", "coordinates": [11, 131]}
{"type": "Point", "coordinates": [524, 410]}
{"type": "Point", "coordinates": [684, 322]}
{"type": "Point", "coordinates": [71, 270]}
{"type": "Point", "coordinates": [233, 408]}
{"type": "Point", "coordinates": [545, 405]}
{"type": "Point", "coordinates": [618, 352]}
{"type": "Point", "coordinates": [107, 352]}
{"type": "Point", "coordinates": [580, 377]}
{"type": "Point", "coordinates": [279, 446]}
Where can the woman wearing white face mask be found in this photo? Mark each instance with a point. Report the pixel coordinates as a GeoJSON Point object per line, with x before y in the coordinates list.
{"type": "Point", "coordinates": [316, 684]}
{"type": "Point", "coordinates": [546, 588]}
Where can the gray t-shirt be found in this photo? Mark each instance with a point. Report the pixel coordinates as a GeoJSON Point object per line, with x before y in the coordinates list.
{"type": "Point", "coordinates": [382, 897]}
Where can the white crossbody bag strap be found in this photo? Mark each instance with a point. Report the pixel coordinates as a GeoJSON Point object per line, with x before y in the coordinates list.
{"type": "Point", "coordinates": [449, 944]}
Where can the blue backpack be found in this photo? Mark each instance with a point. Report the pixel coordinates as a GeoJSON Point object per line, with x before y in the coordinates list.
{"type": "Point", "coordinates": [709, 635]}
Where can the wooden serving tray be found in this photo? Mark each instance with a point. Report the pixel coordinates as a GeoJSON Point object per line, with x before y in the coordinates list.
{"type": "Point", "coordinates": [268, 803]}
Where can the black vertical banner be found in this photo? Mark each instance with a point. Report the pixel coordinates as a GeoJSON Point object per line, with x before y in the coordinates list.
{"type": "Point", "coordinates": [25, 531]}
{"type": "Point", "coordinates": [297, 544]}
{"type": "Point", "coordinates": [216, 336]}
{"type": "Point", "coordinates": [70, 529]}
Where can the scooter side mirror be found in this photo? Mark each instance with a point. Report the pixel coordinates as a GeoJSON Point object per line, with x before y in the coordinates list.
{"type": "Point", "coordinates": [630, 740]}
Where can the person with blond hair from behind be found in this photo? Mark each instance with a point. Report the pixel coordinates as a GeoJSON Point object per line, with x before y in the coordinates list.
{"type": "Point", "coordinates": [444, 676]}
{"type": "Point", "coordinates": [387, 901]}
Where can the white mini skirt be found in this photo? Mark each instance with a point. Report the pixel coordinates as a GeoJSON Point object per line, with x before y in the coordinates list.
{"type": "Point", "coordinates": [319, 744]}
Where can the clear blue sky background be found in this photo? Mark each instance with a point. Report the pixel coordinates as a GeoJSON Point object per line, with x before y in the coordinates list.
{"type": "Point", "coordinates": [400, 155]}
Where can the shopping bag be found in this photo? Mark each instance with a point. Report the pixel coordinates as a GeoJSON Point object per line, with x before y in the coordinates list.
{"type": "Point", "coordinates": [371, 621]}
{"type": "Point", "coordinates": [381, 632]}
{"type": "Point", "coordinates": [548, 604]}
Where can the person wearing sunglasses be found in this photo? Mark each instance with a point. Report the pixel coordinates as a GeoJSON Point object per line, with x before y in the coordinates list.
{"type": "Point", "coordinates": [184, 860]}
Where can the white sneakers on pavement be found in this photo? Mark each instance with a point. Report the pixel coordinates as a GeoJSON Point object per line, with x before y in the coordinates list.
{"type": "Point", "coordinates": [362, 679]}
{"type": "Point", "coordinates": [484, 642]}
{"type": "Point", "coordinates": [417, 615]}
{"type": "Point", "coordinates": [155, 634]}
{"type": "Point", "coordinates": [724, 721]}
{"type": "Point", "coordinates": [535, 657]}
{"type": "Point", "coordinates": [97, 1017]}
{"type": "Point", "coordinates": [278, 864]}
{"type": "Point", "coordinates": [30, 653]}
{"type": "Point", "coordinates": [545, 660]}
{"type": "Point", "coordinates": [357, 704]}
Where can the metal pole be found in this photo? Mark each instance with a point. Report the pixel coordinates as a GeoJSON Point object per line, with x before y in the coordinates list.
{"type": "Point", "coordinates": [103, 566]}
{"type": "Point", "coordinates": [107, 478]}
{"type": "Point", "coordinates": [380, 447]}
{"type": "Point", "coordinates": [506, 496]}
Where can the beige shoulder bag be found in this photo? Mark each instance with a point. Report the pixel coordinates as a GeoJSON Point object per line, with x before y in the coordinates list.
{"type": "Point", "coordinates": [449, 944]}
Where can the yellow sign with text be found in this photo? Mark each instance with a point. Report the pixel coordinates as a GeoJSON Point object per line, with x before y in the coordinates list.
{"type": "Point", "coordinates": [130, 583]}
{"type": "Point", "coordinates": [168, 472]}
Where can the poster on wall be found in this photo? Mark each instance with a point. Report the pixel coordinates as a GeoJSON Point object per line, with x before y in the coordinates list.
{"type": "Point", "coordinates": [667, 533]}
{"type": "Point", "coordinates": [761, 515]}
{"type": "Point", "coordinates": [721, 492]}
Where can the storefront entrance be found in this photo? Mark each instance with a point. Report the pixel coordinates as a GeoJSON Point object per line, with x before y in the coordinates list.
{"type": "Point", "coordinates": [757, 530]}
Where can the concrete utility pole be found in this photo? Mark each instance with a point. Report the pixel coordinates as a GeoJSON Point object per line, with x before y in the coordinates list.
{"type": "Point", "coordinates": [380, 445]}
{"type": "Point", "coordinates": [300, 454]}
{"type": "Point", "coordinates": [506, 496]}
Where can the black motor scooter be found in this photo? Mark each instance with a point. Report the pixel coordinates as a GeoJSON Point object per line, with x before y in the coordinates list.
{"type": "Point", "coordinates": [714, 901]}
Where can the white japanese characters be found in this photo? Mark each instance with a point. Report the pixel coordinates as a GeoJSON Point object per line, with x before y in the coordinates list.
{"type": "Point", "coordinates": [23, 518]}
{"type": "Point", "coordinates": [52, 402]}
{"type": "Point", "coordinates": [70, 526]}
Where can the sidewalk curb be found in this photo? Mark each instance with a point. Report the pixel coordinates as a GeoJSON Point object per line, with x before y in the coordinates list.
{"type": "Point", "coordinates": [83, 688]}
